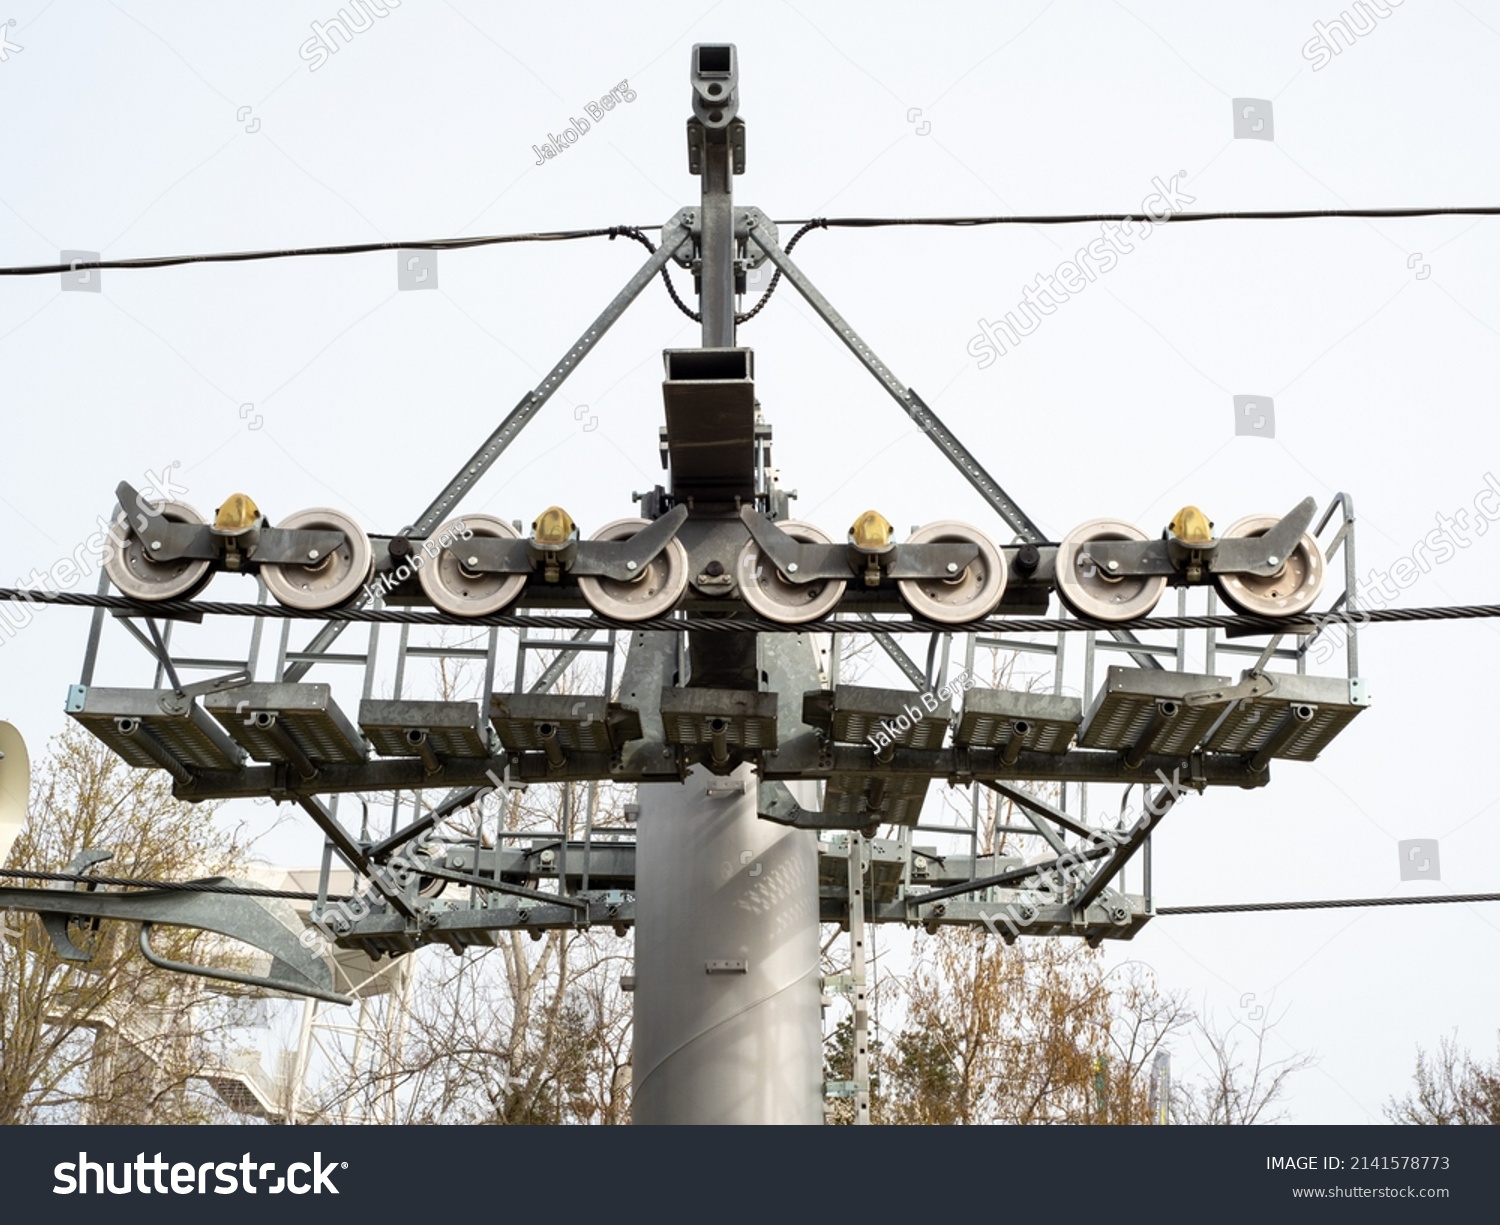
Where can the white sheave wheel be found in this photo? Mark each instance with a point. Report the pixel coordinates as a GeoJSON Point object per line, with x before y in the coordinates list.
{"type": "Point", "coordinates": [973, 592]}
{"type": "Point", "coordinates": [449, 582]}
{"type": "Point", "coordinates": [653, 594]}
{"type": "Point", "coordinates": [1294, 589]}
{"type": "Point", "coordinates": [128, 560]}
{"type": "Point", "coordinates": [322, 582]}
{"type": "Point", "coordinates": [1091, 592]}
{"type": "Point", "coordinates": [773, 595]}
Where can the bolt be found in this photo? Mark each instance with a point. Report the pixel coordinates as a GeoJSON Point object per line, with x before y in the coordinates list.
{"type": "Point", "coordinates": [631, 566]}
{"type": "Point", "coordinates": [472, 562]}
{"type": "Point", "coordinates": [952, 567]}
{"type": "Point", "coordinates": [1273, 560]}
{"type": "Point", "coordinates": [791, 568]}
{"type": "Point", "coordinates": [312, 555]}
{"type": "Point", "coordinates": [156, 544]}
{"type": "Point", "coordinates": [1113, 565]}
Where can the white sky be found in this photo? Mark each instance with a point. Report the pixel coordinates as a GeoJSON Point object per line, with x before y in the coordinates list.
{"type": "Point", "coordinates": [1378, 342]}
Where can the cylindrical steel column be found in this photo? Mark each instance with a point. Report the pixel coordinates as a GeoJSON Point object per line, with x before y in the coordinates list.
{"type": "Point", "coordinates": [726, 962]}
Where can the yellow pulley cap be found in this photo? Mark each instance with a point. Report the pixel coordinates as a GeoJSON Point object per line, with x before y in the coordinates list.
{"type": "Point", "coordinates": [871, 531]}
{"type": "Point", "coordinates": [553, 528]}
{"type": "Point", "coordinates": [1191, 526]}
{"type": "Point", "coordinates": [238, 514]}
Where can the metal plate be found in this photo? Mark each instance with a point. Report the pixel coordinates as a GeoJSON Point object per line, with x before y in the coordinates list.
{"type": "Point", "coordinates": [307, 712]}
{"type": "Point", "coordinates": [709, 396]}
{"type": "Point", "coordinates": [189, 735]}
{"type": "Point", "coordinates": [454, 729]}
{"type": "Point", "coordinates": [988, 716]}
{"type": "Point", "coordinates": [853, 714]}
{"type": "Point", "coordinates": [687, 713]}
{"type": "Point", "coordinates": [584, 724]}
{"type": "Point", "coordinates": [1128, 701]}
{"type": "Point", "coordinates": [1249, 726]}
{"type": "Point", "coordinates": [898, 798]}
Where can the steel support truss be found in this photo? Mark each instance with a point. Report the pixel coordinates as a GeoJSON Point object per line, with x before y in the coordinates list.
{"type": "Point", "coordinates": [1035, 863]}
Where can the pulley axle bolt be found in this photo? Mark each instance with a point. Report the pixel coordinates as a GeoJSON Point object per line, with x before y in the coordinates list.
{"type": "Point", "coordinates": [631, 566]}
{"type": "Point", "coordinates": [952, 567]}
{"type": "Point", "coordinates": [791, 567]}
{"type": "Point", "coordinates": [1273, 560]}
{"type": "Point", "coordinates": [472, 562]}
{"type": "Point", "coordinates": [312, 555]}
{"type": "Point", "coordinates": [1112, 565]}
{"type": "Point", "coordinates": [156, 544]}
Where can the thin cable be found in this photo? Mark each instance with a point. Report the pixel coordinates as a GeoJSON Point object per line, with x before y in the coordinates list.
{"type": "Point", "coordinates": [765, 298]}
{"type": "Point", "coordinates": [815, 224]}
{"type": "Point", "coordinates": [195, 610]}
{"type": "Point", "coordinates": [1324, 904]}
{"type": "Point", "coordinates": [489, 240]}
{"type": "Point", "coordinates": [1174, 218]}
{"type": "Point", "coordinates": [359, 248]}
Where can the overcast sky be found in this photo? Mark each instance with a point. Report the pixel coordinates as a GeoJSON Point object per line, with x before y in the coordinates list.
{"type": "Point", "coordinates": [138, 129]}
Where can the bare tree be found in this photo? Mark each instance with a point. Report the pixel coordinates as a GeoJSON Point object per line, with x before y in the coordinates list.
{"type": "Point", "coordinates": [532, 1030]}
{"type": "Point", "coordinates": [1035, 1032]}
{"type": "Point", "coordinates": [1450, 1088]}
{"type": "Point", "coordinates": [111, 1040]}
{"type": "Point", "coordinates": [1243, 1085]}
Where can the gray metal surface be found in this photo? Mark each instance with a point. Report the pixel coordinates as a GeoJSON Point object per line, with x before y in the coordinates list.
{"type": "Point", "coordinates": [989, 718]}
{"type": "Point", "coordinates": [1130, 706]}
{"type": "Point", "coordinates": [181, 729]}
{"type": "Point", "coordinates": [709, 397]}
{"type": "Point", "coordinates": [713, 882]}
{"type": "Point", "coordinates": [867, 799]}
{"type": "Point", "coordinates": [859, 714]}
{"type": "Point", "coordinates": [305, 712]}
{"type": "Point", "coordinates": [453, 729]}
{"type": "Point", "coordinates": [650, 761]}
{"type": "Point", "coordinates": [268, 924]}
{"type": "Point", "coordinates": [1250, 725]}
{"type": "Point", "coordinates": [688, 717]}
{"type": "Point", "coordinates": [582, 723]}
{"type": "Point", "coordinates": [729, 903]}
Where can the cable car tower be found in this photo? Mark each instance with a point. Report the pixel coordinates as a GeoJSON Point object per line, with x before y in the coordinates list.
{"type": "Point", "coordinates": [763, 781]}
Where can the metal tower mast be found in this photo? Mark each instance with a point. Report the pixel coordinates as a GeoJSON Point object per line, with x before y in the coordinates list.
{"type": "Point", "coordinates": [727, 1021]}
